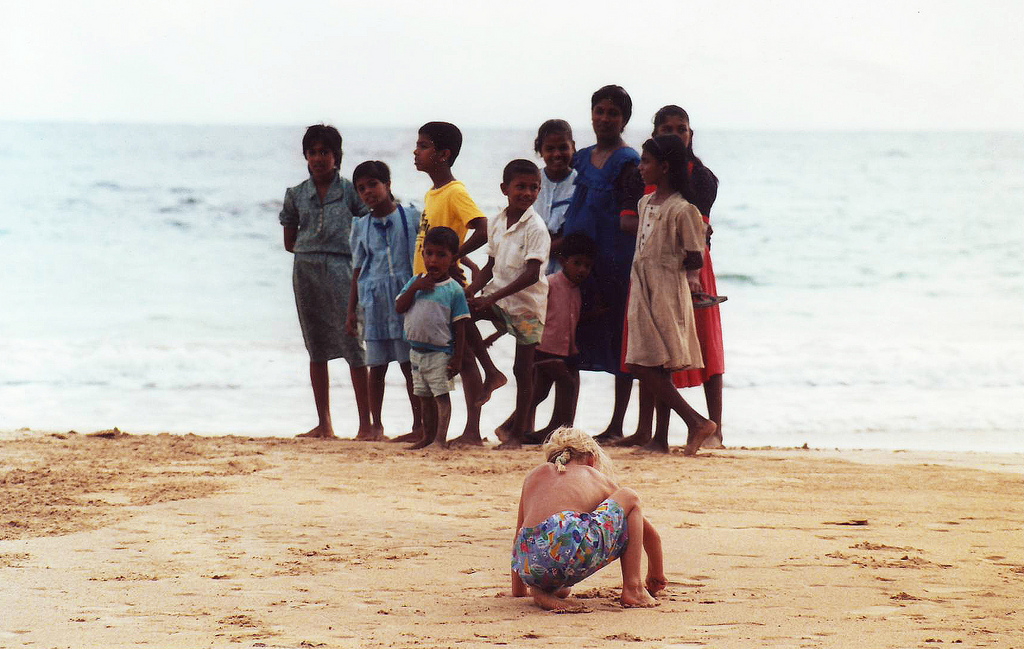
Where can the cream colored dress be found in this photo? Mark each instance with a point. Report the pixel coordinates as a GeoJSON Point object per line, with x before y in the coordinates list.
{"type": "Point", "coordinates": [661, 331]}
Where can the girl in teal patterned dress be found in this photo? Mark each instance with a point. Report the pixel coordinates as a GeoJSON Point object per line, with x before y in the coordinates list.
{"type": "Point", "coordinates": [574, 520]}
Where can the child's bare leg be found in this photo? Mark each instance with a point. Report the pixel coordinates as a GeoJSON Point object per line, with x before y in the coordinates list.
{"type": "Point", "coordinates": [644, 422]}
{"type": "Point", "coordinates": [443, 404]}
{"type": "Point", "coordinates": [662, 420]}
{"type": "Point", "coordinates": [471, 386]}
{"type": "Point", "coordinates": [623, 386]}
{"type": "Point", "coordinates": [631, 561]}
{"type": "Point", "coordinates": [493, 378]}
{"type": "Point", "coordinates": [414, 402]}
{"type": "Point", "coordinates": [523, 370]}
{"type": "Point", "coordinates": [319, 379]}
{"type": "Point", "coordinates": [376, 393]}
{"type": "Point", "coordinates": [361, 386]}
{"type": "Point", "coordinates": [699, 428]}
{"type": "Point", "coordinates": [566, 384]}
{"type": "Point", "coordinates": [713, 394]}
{"type": "Point", "coordinates": [428, 406]}
{"type": "Point", "coordinates": [542, 382]}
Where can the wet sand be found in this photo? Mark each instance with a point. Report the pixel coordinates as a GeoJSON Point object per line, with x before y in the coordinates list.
{"type": "Point", "coordinates": [227, 541]}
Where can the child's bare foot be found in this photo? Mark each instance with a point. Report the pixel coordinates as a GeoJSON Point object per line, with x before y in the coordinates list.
{"type": "Point", "coordinates": [465, 440]}
{"type": "Point", "coordinates": [609, 435]}
{"type": "Point", "coordinates": [415, 436]}
{"type": "Point", "coordinates": [421, 443]}
{"type": "Point", "coordinates": [714, 440]}
{"type": "Point", "coordinates": [319, 432]}
{"type": "Point", "coordinates": [637, 596]}
{"type": "Point", "coordinates": [556, 602]}
{"type": "Point", "coordinates": [371, 434]}
{"type": "Point", "coordinates": [633, 440]}
{"type": "Point", "coordinates": [438, 444]}
{"type": "Point", "coordinates": [502, 432]}
{"type": "Point", "coordinates": [655, 584]}
{"type": "Point", "coordinates": [509, 443]}
{"type": "Point", "coordinates": [655, 446]}
{"type": "Point", "coordinates": [491, 383]}
{"type": "Point", "coordinates": [699, 434]}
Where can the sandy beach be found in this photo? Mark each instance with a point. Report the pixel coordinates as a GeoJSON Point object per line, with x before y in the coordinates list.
{"type": "Point", "coordinates": [186, 541]}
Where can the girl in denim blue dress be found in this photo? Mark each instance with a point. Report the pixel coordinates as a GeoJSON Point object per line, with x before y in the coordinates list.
{"type": "Point", "coordinates": [383, 244]}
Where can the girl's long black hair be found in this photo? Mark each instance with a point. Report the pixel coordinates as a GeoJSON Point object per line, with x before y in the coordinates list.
{"type": "Point", "coordinates": [670, 149]}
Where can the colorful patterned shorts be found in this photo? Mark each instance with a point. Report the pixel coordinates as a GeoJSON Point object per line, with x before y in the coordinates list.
{"type": "Point", "coordinates": [569, 547]}
{"type": "Point", "coordinates": [526, 329]}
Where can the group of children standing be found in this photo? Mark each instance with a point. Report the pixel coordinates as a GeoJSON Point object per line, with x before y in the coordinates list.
{"type": "Point", "coordinates": [399, 276]}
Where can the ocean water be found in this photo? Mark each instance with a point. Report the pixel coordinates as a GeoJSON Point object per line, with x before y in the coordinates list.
{"type": "Point", "coordinates": [875, 283]}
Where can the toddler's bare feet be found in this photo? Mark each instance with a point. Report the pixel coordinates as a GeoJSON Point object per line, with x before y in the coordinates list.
{"type": "Point", "coordinates": [557, 602]}
{"type": "Point", "coordinates": [371, 434]}
{"type": "Point", "coordinates": [491, 383]}
{"type": "Point", "coordinates": [637, 596]}
{"type": "Point", "coordinates": [319, 432]}
{"type": "Point", "coordinates": [698, 435]}
{"type": "Point", "coordinates": [421, 443]}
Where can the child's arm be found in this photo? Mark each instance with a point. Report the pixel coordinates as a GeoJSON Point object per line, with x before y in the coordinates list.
{"type": "Point", "coordinates": [455, 363]}
{"type": "Point", "coordinates": [656, 580]}
{"type": "Point", "coordinates": [475, 240]}
{"type": "Point", "coordinates": [529, 277]}
{"type": "Point", "coordinates": [630, 189]}
{"type": "Point", "coordinates": [351, 321]}
{"type": "Point", "coordinates": [291, 233]}
{"type": "Point", "coordinates": [518, 587]}
{"type": "Point", "coordinates": [404, 301]}
{"type": "Point", "coordinates": [481, 278]}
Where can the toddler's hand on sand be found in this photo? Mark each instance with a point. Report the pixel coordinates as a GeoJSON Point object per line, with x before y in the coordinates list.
{"type": "Point", "coordinates": [655, 584]}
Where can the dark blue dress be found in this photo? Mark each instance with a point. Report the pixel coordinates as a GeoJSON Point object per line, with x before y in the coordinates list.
{"type": "Point", "coordinates": [594, 210]}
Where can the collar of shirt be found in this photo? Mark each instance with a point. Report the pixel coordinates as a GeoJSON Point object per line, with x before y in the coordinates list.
{"type": "Point", "coordinates": [527, 215]}
{"type": "Point", "coordinates": [334, 192]}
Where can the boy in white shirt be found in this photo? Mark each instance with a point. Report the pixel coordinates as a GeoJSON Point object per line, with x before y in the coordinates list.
{"type": "Point", "coordinates": [515, 291]}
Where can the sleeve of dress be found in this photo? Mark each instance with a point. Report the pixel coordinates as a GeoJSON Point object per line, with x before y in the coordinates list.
{"type": "Point", "coordinates": [631, 192]}
{"type": "Point", "coordinates": [289, 216]}
{"type": "Point", "coordinates": [690, 226]}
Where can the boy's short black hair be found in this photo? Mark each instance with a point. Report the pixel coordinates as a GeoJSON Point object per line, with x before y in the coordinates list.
{"type": "Point", "coordinates": [442, 236]}
{"type": "Point", "coordinates": [551, 127]}
{"type": "Point", "coordinates": [618, 96]}
{"type": "Point", "coordinates": [517, 167]}
{"type": "Point", "coordinates": [444, 135]}
{"type": "Point", "coordinates": [326, 135]}
{"type": "Point", "coordinates": [577, 243]}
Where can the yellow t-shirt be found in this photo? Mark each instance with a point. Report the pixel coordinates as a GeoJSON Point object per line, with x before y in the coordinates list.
{"type": "Point", "coordinates": [450, 206]}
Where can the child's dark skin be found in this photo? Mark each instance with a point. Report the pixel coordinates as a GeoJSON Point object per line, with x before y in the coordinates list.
{"type": "Point", "coordinates": [521, 190]}
{"type": "Point", "coordinates": [437, 411]}
{"type": "Point", "coordinates": [434, 162]}
{"type": "Point", "coordinates": [554, 372]}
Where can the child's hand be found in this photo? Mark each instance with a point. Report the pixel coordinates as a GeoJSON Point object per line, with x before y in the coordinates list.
{"type": "Point", "coordinates": [695, 286]}
{"type": "Point", "coordinates": [352, 325]}
{"type": "Point", "coordinates": [456, 272]}
{"type": "Point", "coordinates": [454, 365]}
{"type": "Point", "coordinates": [484, 304]}
{"type": "Point", "coordinates": [655, 583]}
{"type": "Point", "coordinates": [423, 283]}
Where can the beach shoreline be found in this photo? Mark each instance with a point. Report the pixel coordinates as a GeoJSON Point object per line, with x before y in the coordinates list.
{"type": "Point", "coordinates": [185, 540]}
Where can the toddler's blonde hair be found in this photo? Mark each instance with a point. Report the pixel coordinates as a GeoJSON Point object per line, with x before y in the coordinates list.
{"type": "Point", "coordinates": [565, 444]}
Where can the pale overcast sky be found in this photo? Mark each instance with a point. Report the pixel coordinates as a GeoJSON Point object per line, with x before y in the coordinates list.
{"type": "Point", "coordinates": [746, 64]}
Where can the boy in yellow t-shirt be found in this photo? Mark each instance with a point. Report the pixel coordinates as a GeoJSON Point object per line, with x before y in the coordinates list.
{"type": "Point", "coordinates": [449, 204]}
